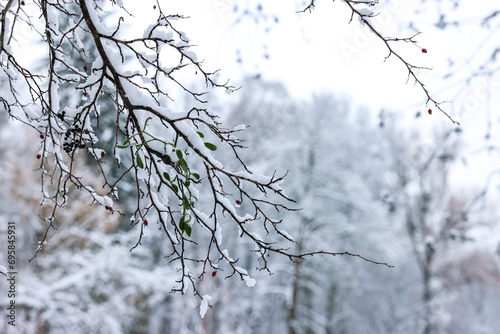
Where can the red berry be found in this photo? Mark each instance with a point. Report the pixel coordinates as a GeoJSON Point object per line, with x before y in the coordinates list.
{"type": "Point", "coordinates": [22, 3]}
{"type": "Point", "coordinates": [154, 7]}
{"type": "Point", "coordinates": [85, 67]}
{"type": "Point", "coordinates": [424, 50]}
{"type": "Point", "coordinates": [429, 111]}
{"type": "Point", "coordinates": [214, 273]}
{"type": "Point", "coordinates": [84, 93]}
{"type": "Point", "coordinates": [109, 208]}
{"type": "Point", "coordinates": [146, 222]}
{"type": "Point", "coordinates": [42, 136]}
{"type": "Point", "coordinates": [38, 156]}
{"type": "Point", "coordinates": [103, 154]}
{"type": "Point", "coordinates": [238, 202]}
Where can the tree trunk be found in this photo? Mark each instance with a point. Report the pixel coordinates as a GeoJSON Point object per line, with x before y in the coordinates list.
{"type": "Point", "coordinates": [427, 299]}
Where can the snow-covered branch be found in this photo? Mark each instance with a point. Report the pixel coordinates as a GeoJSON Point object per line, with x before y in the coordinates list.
{"type": "Point", "coordinates": [364, 15]}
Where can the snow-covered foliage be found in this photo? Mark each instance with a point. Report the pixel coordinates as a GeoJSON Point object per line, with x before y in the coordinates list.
{"type": "Point", "coordinates": [99, 66]}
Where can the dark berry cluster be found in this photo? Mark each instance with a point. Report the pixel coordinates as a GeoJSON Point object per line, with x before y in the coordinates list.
{"type": "Point", "coordinates": [61, 115]}
{"type": "Point", "coordinates": [72, 139]}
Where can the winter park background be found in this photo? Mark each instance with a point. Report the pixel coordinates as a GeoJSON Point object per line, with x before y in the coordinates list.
{"type": "Point", "coordinates": [373, 172]}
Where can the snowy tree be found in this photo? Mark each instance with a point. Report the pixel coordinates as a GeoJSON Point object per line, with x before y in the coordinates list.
{"type": "Point", "coordinates": [133, 74]}
{"type": "Point", "coordinates": [331, 153]}
{"type": "Point", "coordinates": [447, 224]}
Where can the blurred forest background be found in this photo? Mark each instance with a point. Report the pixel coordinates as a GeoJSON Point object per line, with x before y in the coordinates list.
{"type": "Point", "coordinates": [392, 184]}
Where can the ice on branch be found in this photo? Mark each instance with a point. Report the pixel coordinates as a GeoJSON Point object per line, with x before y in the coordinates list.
{"type": "Point", "coordinates": [250, 282]}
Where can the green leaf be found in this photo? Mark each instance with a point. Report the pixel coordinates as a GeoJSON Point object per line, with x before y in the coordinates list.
{"type": "Point", "coordinates": [179, 154]}
{"type": "Point", "coordinates": [165, 174]}
{"type": "Point", "coordinates": [176, 189]}
{"type": "Point", "coordinates": [211, 146]}
{"type": "Point", "coordinates": [139, 161]}
{"type": "Point", "coordinates": [187, 183]}
{"type": "Point", "coordinates": [122, 146]}
{"type": "Point", "coordinates": [182, 224]}
{"type": "Point", "coordinates": [200, 134]}
{"type": "Point", "coordinates": [184, 165]}
{"type": "Point", "coordinates": [196, 176]}
{"type": "Point", "coordinates": [185, 203]}
{"type": "Point", "coordinates": [188, 230]}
